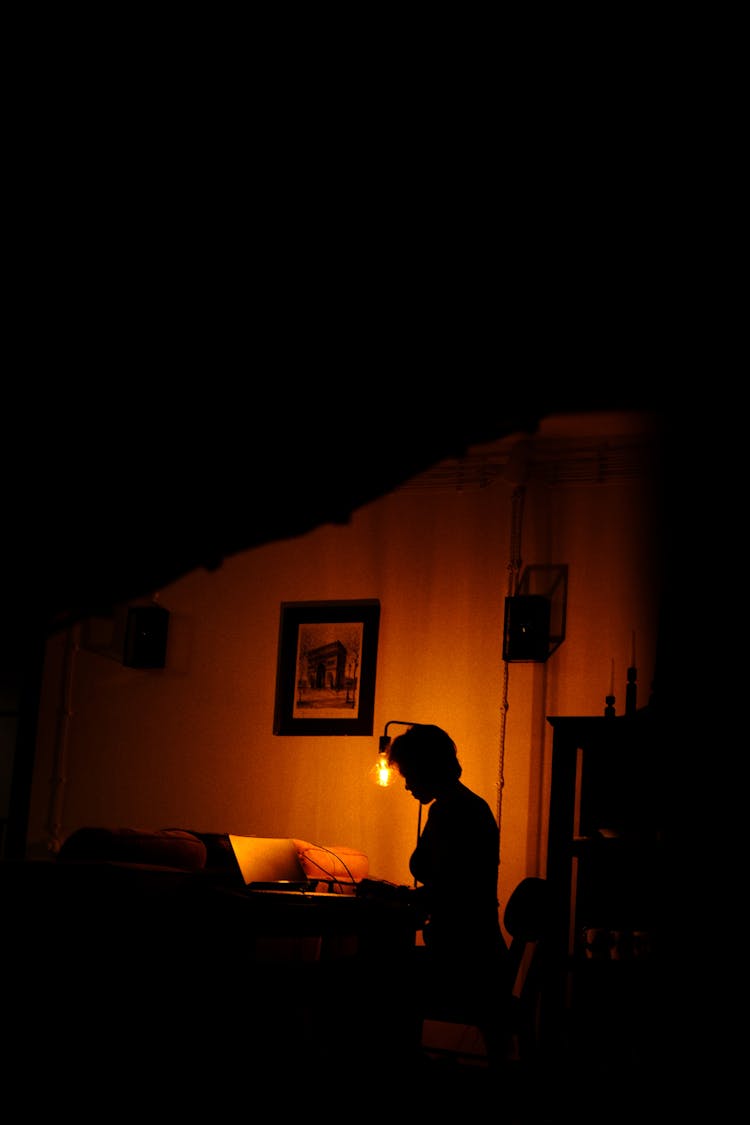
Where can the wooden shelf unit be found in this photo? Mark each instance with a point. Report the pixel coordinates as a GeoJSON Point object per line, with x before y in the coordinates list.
{"type": "Point", "coordinates": [605, 867]}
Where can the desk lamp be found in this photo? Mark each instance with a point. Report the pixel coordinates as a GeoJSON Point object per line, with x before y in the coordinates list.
{"type": "Point", "coordinates": [382, 772]}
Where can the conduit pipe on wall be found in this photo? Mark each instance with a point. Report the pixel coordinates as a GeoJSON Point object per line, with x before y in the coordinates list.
{"type": "Point", "coordinates": [514, 570]}
{"type": "Point", "coordinates": [62, 738]}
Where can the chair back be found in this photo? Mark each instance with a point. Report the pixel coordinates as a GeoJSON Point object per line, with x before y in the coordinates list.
{"type": "Point", "coordinates": [527, 918]}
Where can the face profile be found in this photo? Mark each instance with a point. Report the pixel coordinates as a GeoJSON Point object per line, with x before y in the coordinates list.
{"type": "Point", "coordinates": [420, 789]}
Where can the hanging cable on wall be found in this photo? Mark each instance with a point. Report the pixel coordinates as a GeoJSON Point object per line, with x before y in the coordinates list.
{"type": "Point", "coordinates": [514, 571]}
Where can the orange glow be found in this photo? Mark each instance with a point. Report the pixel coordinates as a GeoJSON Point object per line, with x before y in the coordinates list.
{"type": "Point", "coordinates": [382, 772]}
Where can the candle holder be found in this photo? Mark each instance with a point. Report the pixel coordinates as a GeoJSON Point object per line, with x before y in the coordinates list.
{"type": "Point", "coordinates": [631, 689]}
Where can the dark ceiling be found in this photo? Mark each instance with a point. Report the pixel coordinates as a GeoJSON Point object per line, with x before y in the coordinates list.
{"type": "Point", "coordinates": [119, 501]}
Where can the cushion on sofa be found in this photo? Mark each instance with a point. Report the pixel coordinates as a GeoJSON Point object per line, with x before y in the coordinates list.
{"type": "Point", "coordinates": [220, 861]}
{"type": "Point", "coordinates": [164, 847]}
{"type": "Point", "coordinates": [319, 862]}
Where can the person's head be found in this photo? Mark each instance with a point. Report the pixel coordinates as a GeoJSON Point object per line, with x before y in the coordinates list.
{"type": "Point", "coordinates": [427, 759]}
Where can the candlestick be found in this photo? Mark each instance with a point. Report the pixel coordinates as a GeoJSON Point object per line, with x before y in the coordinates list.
{"type": "Point", "coordinates": [609, 710]}
{"type": "Point", "coordinates": [630, 692]}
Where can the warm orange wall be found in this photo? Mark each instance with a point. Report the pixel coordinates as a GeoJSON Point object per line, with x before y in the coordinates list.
{"type": "Point", "coordinates": [192, 745]}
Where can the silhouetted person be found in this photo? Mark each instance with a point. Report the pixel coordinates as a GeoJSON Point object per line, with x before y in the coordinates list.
{"type": "Point", "coordinates": [462, 966]}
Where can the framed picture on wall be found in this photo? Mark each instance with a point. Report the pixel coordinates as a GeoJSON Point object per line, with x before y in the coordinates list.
{"type": "Point", "coordinates": [327, 660]}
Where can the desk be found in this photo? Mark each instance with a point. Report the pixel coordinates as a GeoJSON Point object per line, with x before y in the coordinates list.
{"type": "Point", "coordinates": [329, 971]}
{"type": "Point", "coordinates": [216, 983]}
{"type": "Point", "coordinates": [297, 925]}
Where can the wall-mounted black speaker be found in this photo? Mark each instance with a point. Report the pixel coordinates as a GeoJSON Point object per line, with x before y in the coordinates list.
{"type": "Point", "coordinates": [146, 637]}
{"type": "Point", "coordinates": [527, 627]}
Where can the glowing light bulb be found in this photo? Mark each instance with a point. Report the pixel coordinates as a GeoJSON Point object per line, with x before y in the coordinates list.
{"type": "Point", "coordinates": [382, 772]}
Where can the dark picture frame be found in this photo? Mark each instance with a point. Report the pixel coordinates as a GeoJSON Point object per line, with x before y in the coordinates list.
{"type": "Point", "coordinates": [327, 662]}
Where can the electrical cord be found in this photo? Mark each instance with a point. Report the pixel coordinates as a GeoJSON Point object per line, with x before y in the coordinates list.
{"type": "Point", "coordinates": [330, 875]}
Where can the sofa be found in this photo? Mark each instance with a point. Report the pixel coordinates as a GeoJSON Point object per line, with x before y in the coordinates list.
{"type": "Point", "coordinates": [207, 853]}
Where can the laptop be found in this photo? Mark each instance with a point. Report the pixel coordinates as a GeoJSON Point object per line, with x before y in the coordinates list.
{"type": "Point", "coordinates": [268, 863]}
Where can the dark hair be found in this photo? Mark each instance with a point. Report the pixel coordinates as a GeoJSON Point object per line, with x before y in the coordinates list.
{"type": "Point", "coordinates": [426, 750]}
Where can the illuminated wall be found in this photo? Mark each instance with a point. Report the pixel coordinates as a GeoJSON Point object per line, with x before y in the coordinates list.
{"type": "Point", "coordinates": [192, 745]}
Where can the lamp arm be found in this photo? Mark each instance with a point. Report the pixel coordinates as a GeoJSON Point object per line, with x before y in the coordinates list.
{"type": "Point", "coordinates": [384, 739]}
